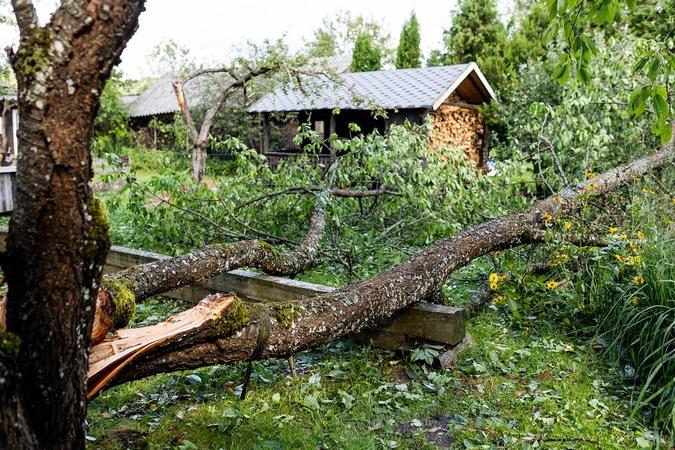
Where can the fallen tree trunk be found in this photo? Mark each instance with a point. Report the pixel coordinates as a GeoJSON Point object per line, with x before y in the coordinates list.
{"type": "Point", "coordinates": [275, 330]}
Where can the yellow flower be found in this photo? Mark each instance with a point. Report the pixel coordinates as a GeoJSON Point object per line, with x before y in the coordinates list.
{"type": "Point", "coordinates": [648, 191]}
{"type": "Point", "coordinates": [560, 199]}
{"type": "Point", "coordinates": [635, 300]}
{"type": "Point", "coordinates": [569, 348]}
{"type": "Point", "coordinates": [497, 254]}
{"type": "Point", "coordinates": [502, 278]}
{"type": "Point", "coordinates": [552, 284]}
{"type": "Point", "coordinates": [568, 225]}
{"type": "Point", "coordinates": [623, 236]}
{"type": "Point", "coordinates": [563, 256]}
{"type": "Point", "coordinates": [633, 247]}
{"type": "Point", "coordinates": [635, 178]}
{"type": "Point", "coordinates": [613, 230]}
{"type": "Point", "coordinates": [640, 234]}
{"type": "Point", "coordinates": [593, 185]}
{"type": "Point", "coordinates": [493, 278]}
{"type": "Point", "coordinates": [567, 321]}
{"type": "Point", "coordinates": [639, 280]}
{"type": "Point", "coordinates": [619, 257]}
{"type": "Point", "coordinates": [546, 217]}
{"type": "Point", "coordinates": [674, 200]}
{"type": "Point", "coordinates": [590, 175]}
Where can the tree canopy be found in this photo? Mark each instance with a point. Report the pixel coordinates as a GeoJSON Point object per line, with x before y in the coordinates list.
{"type": "Point", "coordinates": [408, 53]}
{"type": "Point", "coordinates": [366, 56]}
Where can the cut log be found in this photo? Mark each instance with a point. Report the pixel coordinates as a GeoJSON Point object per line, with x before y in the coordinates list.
{"type": "Point", "coordinates": [110, 356]}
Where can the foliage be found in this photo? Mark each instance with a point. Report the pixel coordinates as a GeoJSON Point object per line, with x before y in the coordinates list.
{"type": "Point", "coordinates": [477, 35]}
{"type": "Point", "coordinates": [408, 53]}
{"type": "Point", "coordinates": [437, 193]}
{"type": "Point", "coordinates": [341, 33]}
{"type": "Point", "coordinates": [6, 74]}
{"type": "Point", "coordinates": [366, 57]}
{"type": "Point", "coordinates": [170, 56]}
{"type": "Point", "coordinates": [578, 124]}
{"type": "Point", "coordinates": [654, 62]}
{"type": "Point", "coordinates": [111, 124]}
{"type": "Point", "coordinates": [525, 37]}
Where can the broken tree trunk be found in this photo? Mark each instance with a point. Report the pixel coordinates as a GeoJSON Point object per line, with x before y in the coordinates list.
{"type": "Point", "coordinates": [279, 330]}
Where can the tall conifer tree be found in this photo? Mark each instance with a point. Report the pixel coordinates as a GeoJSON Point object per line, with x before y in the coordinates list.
{"type": "Point", "coordinates": [366, 57]}
{"type": "Point", "coordinates": [408, 53]}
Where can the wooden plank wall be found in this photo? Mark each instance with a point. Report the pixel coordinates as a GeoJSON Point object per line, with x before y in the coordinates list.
{"type": "Point", "coordinates": [7, 188]}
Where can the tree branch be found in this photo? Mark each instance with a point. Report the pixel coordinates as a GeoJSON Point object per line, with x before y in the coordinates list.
{"type": "Point", "coordinates": [26, 17]}
{"type": "Point", "coordinates": [323, 318]}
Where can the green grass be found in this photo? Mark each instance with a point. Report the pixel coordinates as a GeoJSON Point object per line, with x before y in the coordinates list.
{"type": "Point", "coordinates": [510, 390]}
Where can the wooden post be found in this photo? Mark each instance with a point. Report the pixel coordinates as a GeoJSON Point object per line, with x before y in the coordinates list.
{"type": "Point", "coordinates": [265, 147]}
{"type": "Point", "coordinates": [332, 127]}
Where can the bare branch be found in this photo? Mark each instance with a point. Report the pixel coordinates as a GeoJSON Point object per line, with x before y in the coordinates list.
{"type": "Point", "coordinates": [26, 17]}
{"type": "Point", "coordinates": [185, 111]}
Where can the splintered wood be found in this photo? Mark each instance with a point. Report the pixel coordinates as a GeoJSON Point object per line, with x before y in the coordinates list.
{"type": "Point", "coordinates": [458, 124]}
{"type": "Point", "coordinates": [111, 355]}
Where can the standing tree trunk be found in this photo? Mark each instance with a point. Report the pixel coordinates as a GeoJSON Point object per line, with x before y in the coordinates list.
{"type": "Point", "coordinates": [58, 233]}
{"type": "Point", "coordinates": [198, 160]}
{"type": "Point", "coordinates": [199, 139]}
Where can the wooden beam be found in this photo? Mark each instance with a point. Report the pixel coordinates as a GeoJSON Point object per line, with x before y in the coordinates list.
{"type": "Point", "coordinates": [265, 147]}
{"type": "Point", "coordinates": [421, 323]}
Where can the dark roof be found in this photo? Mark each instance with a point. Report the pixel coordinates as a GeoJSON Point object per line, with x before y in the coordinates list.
{"type": "Point", "coordinates": [160, 98]}
{"type": "Point", "coordinates": [389, 89]}
{"type": "Point", "coordinates": [157, 99]}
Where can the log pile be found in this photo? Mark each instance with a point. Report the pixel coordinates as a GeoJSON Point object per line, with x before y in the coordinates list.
{"type": "Point", "coordinates": [458, 124]}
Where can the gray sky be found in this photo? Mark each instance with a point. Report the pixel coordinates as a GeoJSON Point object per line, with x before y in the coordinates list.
{"type": "Point", "coordinates": [211, 29]}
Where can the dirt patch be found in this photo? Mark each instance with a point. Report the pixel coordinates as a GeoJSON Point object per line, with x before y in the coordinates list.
{"type": "Point", "coordinates": [122, 439]}
{"type": "Point", "coordinates": [434, 430]}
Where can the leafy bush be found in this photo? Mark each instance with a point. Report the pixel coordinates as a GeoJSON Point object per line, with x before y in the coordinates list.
{"type": "Point", "coordinates": [433, 194]}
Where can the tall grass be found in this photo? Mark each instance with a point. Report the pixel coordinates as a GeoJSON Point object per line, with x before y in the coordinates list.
{"type": "Point", "coordinates": [637, 303]}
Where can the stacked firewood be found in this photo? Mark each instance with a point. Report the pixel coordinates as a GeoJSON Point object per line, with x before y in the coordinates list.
{"type": "Point", "coordinates": [458, 124]}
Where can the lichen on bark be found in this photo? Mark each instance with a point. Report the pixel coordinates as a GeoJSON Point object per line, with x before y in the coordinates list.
{"type": "Point", "coordinates": [285, 315]}
{"type": "Point", "coordinates": [97, 236]}
{"type": "Point", "coordinates": [122, 295]}
{"type": "Point", "coordinates": [234, 318]}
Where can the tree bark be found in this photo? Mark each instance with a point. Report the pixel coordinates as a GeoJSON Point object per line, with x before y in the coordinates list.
{"type": "Point", "coordinates": [314, 321]}
{"type": "Point", "coordinates": [58, 238]}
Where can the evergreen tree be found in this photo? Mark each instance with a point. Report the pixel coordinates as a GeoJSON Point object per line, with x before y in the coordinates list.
{"type": "Point", "coordinates": [477, 35]}
{"type": "Point", "coordinates": [366, 56]}
{"type": "Point", "coordinates": [408, 53]}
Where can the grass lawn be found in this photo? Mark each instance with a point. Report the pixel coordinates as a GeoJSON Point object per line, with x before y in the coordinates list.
{"type": "Point", "coordinates": [511, 390]}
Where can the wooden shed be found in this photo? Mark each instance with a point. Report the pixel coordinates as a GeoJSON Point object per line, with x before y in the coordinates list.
{"type": "Point", "coordinates": [449, 94]}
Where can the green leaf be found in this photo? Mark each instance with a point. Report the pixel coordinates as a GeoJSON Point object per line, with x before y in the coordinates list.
{"type": "Point", "coordinates": [666, 134]}
{"type": "Point", "coordinates": [603, 15]}
{"type": "Point", "coordinates": [660, 105]}
{"type": "Point", "coordinates": [654, 69]}
{"type": "Point", "coordinates": [312, 402]}
{"type": "Point", "coordinates": [631, 4]}
{"type": "Point", "coordinates": [562, 73]}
